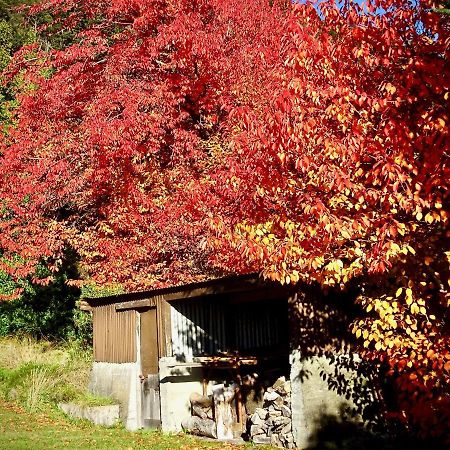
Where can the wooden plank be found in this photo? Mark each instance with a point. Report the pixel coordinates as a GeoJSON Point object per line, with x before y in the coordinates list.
{"type": "Point", "coordinates": [208, 290]}
{"type": "Point", "coordinates": [151, 403]}
{"type": "Point", "coordinates": [135, 304]}
{"type": "Point", "coordinates": [164, 328]}
{"type": "Point", "coordinates": [260, 294]}
{"type": "Point", "coordinates": [149, 342]}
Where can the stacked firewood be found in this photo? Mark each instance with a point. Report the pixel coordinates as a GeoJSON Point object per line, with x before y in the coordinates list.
{"type": "Point", "coordinates": [201, 421]}
{"type": "Point", "coordinates": [272, 424]}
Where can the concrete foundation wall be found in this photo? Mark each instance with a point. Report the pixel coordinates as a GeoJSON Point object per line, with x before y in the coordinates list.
{"type": "Point", "coordinates": [329, 381]}
{"type": "Point", "coordinates": [315, 399]}
{"type": "Point", "coordinates": [120, 382]}
{"type": "Point", "coordinates": [177, 383]}
{"type": "Point", "coordinates": [107, 415]}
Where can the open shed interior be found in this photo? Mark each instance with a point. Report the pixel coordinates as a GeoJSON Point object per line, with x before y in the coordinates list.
{"type": "Point", "coordinates": [222, 325]}
{"type": "Point", "coordinates": [235, 347]}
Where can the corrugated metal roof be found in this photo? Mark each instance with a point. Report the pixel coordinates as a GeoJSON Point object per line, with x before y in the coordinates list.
{"type": "Point", "coordinates": [211, 287]}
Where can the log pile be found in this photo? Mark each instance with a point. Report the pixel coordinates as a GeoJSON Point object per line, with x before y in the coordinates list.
{"type": "Point", "coordinates": [272, 424]}
{"type": "Point", "coordinates": [212, 416]}
{"type": "Point", "coordinates": [201, 422]}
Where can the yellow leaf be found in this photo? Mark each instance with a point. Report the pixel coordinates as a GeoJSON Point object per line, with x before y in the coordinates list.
{"type": "Point", "coordinates": [419, 216]}
{"type": "Point", "coordinates": [429, 218]}
{"type": "Point", "coordinates": [345, 234]}
{"type": "Point", "coordinates": [399, 292]}
{"type": "Point", "coordinates": [358, 333]}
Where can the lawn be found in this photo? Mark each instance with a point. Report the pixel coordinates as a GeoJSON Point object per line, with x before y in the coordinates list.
{"type": "Point", "coordinates": [22, 430]}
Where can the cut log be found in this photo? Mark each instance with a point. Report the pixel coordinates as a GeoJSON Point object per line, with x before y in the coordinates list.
{"type": "Point", "coordinates": [261, 439]}
{"type": "Point", "coordinates": [223, 396]}
{"type": "Point", "coordinates": [201, 406]}
{"type": "Point", "coordinates": [202, 400]}
{"type": "Point", "coordinates": [200, 427]}
{"type": "Point", "coordinates": [203, 413]}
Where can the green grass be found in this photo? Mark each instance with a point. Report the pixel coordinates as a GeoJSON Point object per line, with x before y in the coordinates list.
{"type": "Point", "coordinates": [38, 375]}
{"type": "Point", "coordinates": [24, 430]}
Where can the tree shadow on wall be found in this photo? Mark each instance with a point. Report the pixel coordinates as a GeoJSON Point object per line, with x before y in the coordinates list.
{"type": "Point", "coordinates": [322, 346]}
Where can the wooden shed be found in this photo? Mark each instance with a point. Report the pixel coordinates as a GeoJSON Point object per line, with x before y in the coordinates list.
{"type": "Point", "coordinates": [156, 350]}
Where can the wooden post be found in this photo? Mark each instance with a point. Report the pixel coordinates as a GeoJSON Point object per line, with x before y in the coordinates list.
{"type": "Point", "coordinates": [223, 397]}
{"type": "Point", "coordinates": [240, 409]}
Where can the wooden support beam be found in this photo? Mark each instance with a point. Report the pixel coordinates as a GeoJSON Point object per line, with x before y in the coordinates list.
{"type": "Point", "coordinates": [134, 304]}
{"type": "Point", "coordinates": [84, 306]}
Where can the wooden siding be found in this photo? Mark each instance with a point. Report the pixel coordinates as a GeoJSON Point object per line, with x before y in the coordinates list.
{"type": "Point", "coordinates": [114, 334]}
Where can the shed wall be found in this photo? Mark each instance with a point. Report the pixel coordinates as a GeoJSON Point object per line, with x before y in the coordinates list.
{"type": "Point", "coordinates": [114, 334]}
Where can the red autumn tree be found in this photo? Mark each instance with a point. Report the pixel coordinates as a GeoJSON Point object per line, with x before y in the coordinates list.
{"type": "Point", "coordinates": [172, 139]}
{"type": "Point", "coordinates": [343, 179]}
{"type": "Point", "coordinates": [114, 127]}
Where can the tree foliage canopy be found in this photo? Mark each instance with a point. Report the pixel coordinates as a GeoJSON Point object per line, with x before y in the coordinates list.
{"type": "Point", "coordinates": [168, 141]}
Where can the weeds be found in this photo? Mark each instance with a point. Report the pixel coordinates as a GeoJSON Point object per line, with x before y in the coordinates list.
{"type": "Point", "coordinates": [38, 375]}
{"type": "Point", "coordinates": [40, 383]}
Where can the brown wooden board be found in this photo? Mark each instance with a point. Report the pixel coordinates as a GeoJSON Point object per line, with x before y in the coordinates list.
{"type": "Point", "coordinates": [240, 283]}
{"type": "Point", "coordinates": [136, 304]}
{"type": "Point", "coordinates": [164, 328]}
{"type": "Point", "coordinates": [151, 402]}
{"type": "Point", "coordinates": [149, 342]}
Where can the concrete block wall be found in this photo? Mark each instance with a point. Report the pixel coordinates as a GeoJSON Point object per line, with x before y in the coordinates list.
{"type": "Point", "coordinates": [313, 399]}
{"type": "Point", "coordinates": [326, 375]}
{"type": "Point", "coordinates": [120, 382]}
